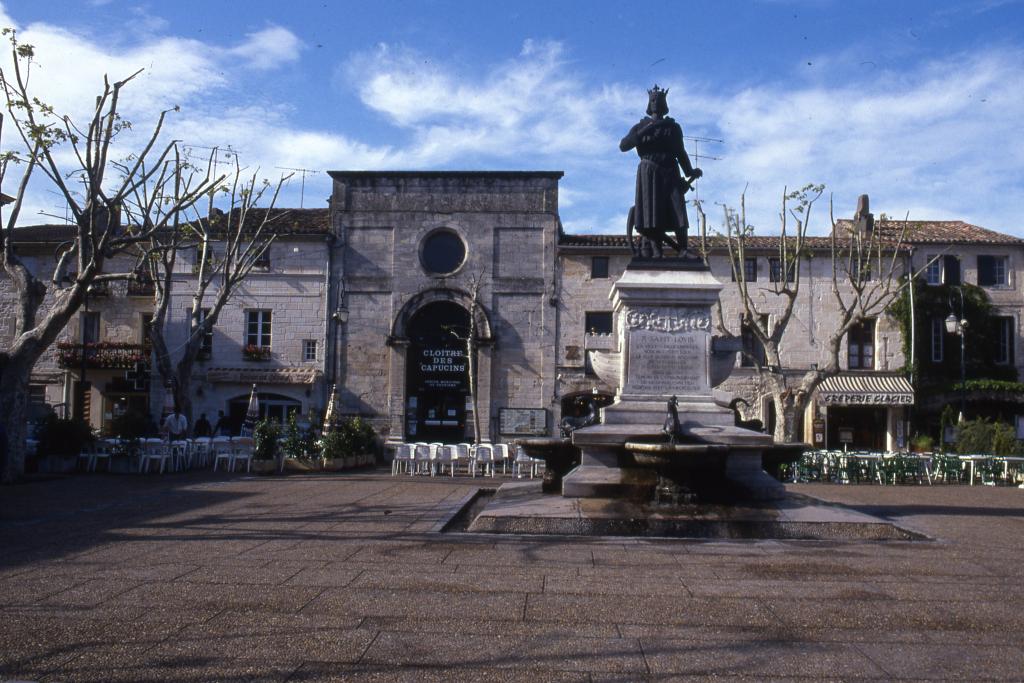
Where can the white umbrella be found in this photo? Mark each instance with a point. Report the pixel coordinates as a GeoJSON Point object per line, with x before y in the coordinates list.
{"type": "Point", "coordinates": [252, 414]}
{"type": "Point", "coordinates": [331, 414]}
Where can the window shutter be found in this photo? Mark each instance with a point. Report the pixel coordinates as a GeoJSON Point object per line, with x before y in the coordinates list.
{"type": "Point", "coordinates": [951, 270]}
{"type": "Point", "coordinates": [986, 271]}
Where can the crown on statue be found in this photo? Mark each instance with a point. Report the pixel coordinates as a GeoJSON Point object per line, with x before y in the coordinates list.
{"type": "Point", "coordinates": [657, 92]}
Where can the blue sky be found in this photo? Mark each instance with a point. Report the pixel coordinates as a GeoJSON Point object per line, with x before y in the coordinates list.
{"type": "Point", "coordinates": [919, 104]}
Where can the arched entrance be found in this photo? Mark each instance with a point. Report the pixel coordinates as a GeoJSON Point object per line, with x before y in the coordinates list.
{"type": "Point", "coordinates": [437, 373]}
{"type": "Point", "coordinates": [272, 406]}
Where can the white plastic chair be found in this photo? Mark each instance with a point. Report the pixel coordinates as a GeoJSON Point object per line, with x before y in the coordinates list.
{"type": "Point", "coordinates": [222, 451]}
{"type": "Point", "coordinates": [421, 458]}
{"type": "Point", "coordinates": [242, 450]}
{"type": "Point", "coordinates": [403, 458]}
{"type": "Point", "coordinates": [501, 452]}
{"type": "Point", "coordinates": [88, 454]}
{"type": "Point", "coordinates": [483, 456]}
{"type": "Point", "coordinates": [523, 460]}
{"type": "Point", "coordinates": [102, 452]}
{"type": "Point", "coordinates": [181, 458]}
{"type": "Point", "coordinates": [154, 450]}
{"type": "Point", "coordinates": [447, 454]}
{"type": "Point", "coordinates": [463, 451]}
{"type": "Point", "coordinates": [201, 448]}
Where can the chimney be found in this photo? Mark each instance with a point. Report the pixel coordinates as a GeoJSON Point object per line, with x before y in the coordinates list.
{"type": "Point", "coordinates": [864, 220]}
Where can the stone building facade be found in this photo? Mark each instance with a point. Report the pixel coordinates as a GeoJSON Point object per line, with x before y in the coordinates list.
{"type": "Point", "coordinates": [412, 249]}
{"type": "Point", "coordinates": [377, 294]}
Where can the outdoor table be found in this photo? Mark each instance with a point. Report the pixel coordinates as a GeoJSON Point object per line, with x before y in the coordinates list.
{"type": "Point", "coordinates": [969, 460]}
{"type": "Point", "coordinates": [873, 460]}
{"type": "Point", "coordinates": [1007, 459]}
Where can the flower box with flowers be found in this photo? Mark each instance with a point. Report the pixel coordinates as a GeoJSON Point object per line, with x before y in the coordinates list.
{"type": "Point", "coordinates": [256, 353]}
{"type": "Point", "coordinates": [109, 355]}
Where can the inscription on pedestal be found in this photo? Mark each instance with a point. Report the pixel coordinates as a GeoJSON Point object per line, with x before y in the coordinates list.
{"type": "Point", "coordinates": [666, 363]}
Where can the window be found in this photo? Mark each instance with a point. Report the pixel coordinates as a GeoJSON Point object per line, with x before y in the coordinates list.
{"type": "Point", "coordinates": [442, 252]}
{"type": "Point", "coordinates": [859, 268]}
{"type": "Point", "coordinates": [206, 350]}
{"type": "Point", "coordinates": [598, 267]}
{"type": "Point", "coordinates": [90, 322]}
{"type": "Point", "coordinates": [598, 321]}
{"type": "Point", "coordinates": [1004, 336]}
{"type": "Point", "coordinates": [257, 332]}
{"type": "Point", "coordinates": [309, 350]}
{"type": "Point", "coordinates": [861, 346]}
{"type": "Point", "coordinates": [775, 271]}
{"type": "Point", "coordinates": [951, 270]}
{"type": "Point", "coordinates": [992, 271]}
{"type": "Point", "coordinates": [262, 261]}
{"type": "Point", "coordinates": [933, 271]}
{"type": "Point", "coordinates": [753, 351]}
{"type": "Point", "coordinates": [198, 254]}
{"type": "Point", "coordinates": [749, 269]}
{"type": "Point", "coordinates": [938, 339]}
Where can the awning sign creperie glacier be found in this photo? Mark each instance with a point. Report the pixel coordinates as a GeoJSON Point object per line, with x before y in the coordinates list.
{"type": "Point", "coordinates": [866, 399]}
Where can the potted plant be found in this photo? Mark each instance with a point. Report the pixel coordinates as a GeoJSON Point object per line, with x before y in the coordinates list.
{"type": "Point", "coordinates": [922, 443]}
{"type": "Point", "coordinates": [266, 446]}
{"type": "Point", "coordinates": [361, 441]}
{"type": "Point", "coordinates": [332, 450]}
{"type": "Point", "coordinates": [256, 353]}
{"type": "Point", "coordinates": [60, 442]}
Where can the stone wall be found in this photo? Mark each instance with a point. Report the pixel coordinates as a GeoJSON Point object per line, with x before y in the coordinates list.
{"type": "Point", "coordinates": [508, 224]}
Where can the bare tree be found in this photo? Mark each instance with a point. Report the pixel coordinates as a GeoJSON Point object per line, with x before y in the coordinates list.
{"type": "Point", "coordinates": [867, 266]}
{"type": "Point", "coordinates": [471, 344]}
{"type": "Point", "coordinates": [155, 174]}
{"type": "Point", "coordinates": [242, 234]}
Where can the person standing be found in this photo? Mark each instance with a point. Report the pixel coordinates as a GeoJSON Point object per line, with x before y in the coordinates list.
{"type": "Point", "coordinates": [223, 426]}
{"type": "Point", "coordinates": [202, 426]}
{"type": "Point", "coordinates": [176, 425]}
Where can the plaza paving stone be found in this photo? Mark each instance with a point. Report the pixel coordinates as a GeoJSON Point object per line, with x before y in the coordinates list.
{"type": "Point", "coordinates": [215, 577]}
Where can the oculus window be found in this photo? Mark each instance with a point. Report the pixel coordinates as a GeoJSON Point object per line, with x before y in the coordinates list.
{"type": "Point", "coordinates": [442, 252]}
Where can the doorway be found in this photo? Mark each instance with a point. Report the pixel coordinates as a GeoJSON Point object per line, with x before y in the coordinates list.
{"type": "Point", "coordinates": [437, 374]}
{"type": "Point", "coordinates": [272, 407]}
{"type": "Point", "coordinates": [857, 427]}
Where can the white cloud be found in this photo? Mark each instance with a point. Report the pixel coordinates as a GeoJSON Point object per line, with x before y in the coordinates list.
{"type": "Point", "coordinates": [268, 48]}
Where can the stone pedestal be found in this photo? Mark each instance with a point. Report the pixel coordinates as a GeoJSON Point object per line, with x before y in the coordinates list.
{"type": "Point", "coordinates": [664, 315]}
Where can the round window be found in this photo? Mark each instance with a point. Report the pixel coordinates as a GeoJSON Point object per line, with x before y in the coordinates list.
{"type": "Point", "coordinates": [442, 252]}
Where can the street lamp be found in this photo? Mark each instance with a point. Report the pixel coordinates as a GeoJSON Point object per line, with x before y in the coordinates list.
{"type": "Point", "coordinates": [959, 327]}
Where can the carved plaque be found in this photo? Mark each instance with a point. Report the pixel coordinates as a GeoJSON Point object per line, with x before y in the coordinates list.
{"type": "Point", "coordinates": [666, 363]}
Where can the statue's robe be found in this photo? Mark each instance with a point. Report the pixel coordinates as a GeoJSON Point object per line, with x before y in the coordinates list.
{"type": "Point", "coordinates": [660, 206]}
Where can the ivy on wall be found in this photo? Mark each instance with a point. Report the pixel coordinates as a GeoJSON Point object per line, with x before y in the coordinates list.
{"type": "Point", "coordinates": [937, 302]}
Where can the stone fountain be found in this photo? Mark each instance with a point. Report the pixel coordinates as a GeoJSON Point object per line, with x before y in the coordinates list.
{"type": "Point", "coordinates": [669, 434]}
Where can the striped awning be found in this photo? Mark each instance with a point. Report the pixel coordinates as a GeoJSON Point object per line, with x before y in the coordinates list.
{"type": "Point", "coordinates": [851, 389]}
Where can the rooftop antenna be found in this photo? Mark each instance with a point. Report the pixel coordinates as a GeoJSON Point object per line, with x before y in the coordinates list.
{"type": "Point", "coordinates": [696, 156]}
{"type": "Point", "coordinates": [302, 187]}
{"type": "Point", "coordinates": [67, 207]}
{"type": "Point", "coordinates": [227, 151]}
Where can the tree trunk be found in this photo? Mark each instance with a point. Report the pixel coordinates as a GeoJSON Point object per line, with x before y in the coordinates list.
{"type": "Point", "coordinates": [183, 384]}
{"type": "Point", "coordinates": [14, 379]}
{"type": "Point", "coordinates": [471, 370]}
{"type": "Point", "coordinates": [787, 414]}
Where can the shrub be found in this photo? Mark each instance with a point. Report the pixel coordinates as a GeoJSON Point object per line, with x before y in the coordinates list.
{"type": "Point", "coordinates": [352, 437]}
{"type": "Point", "coordinates": [333, 445]}
{"type": "Point", "coordinates": [293, 442]}
{"type": "Point", "coordinates": [982, 436]}
{"type": "Point", "coordinates": [63, 437]}
{"type": "Point", "coordinates": [265, 436]}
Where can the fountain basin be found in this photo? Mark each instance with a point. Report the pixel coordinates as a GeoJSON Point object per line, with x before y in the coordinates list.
{"type": "Point", "coordinates": [558, 454]}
